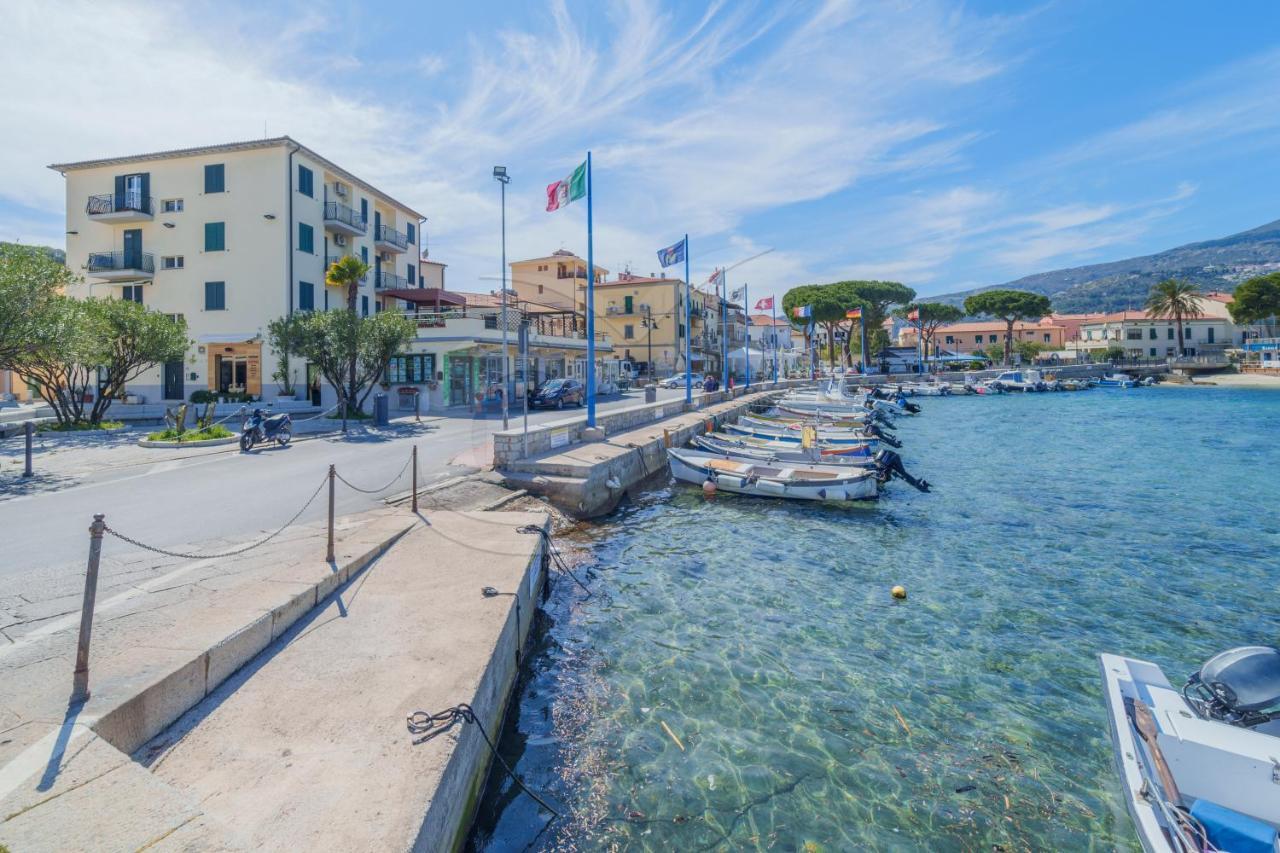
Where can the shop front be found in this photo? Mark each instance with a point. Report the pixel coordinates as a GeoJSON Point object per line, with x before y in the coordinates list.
{"type": "Point", "coordinates": [235, 368]}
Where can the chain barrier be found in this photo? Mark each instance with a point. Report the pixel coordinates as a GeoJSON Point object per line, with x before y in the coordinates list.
{"type": "Point", "coordinates": [236, 552]}
{"type": "Point", "coordinates": [375, 491]}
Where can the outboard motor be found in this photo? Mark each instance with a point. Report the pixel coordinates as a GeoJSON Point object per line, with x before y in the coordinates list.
{"type": "Point", "coordinates": [875, 431]}
{"type": "Point", "coordinates": [1237, 686]}
{"type": "Point", "coordinates": [889, 465]}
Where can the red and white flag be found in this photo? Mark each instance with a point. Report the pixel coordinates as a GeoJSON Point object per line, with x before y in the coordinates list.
{"type": "Point", "coordinates": [715, 278]}
{"type": "Point", "coordinates": [914, 316]}
{"type": "Point", "coordinates": [765, 304]}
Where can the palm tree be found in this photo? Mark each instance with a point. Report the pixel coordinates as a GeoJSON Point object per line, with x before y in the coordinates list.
{"type": "Point", "coordinates": [348, 272]}
{"type": "Point", "coordinates": [1174, 299]}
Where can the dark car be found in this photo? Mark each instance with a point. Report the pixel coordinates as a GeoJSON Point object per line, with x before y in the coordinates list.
{"type": "Point", "coordinates": [558, 393]}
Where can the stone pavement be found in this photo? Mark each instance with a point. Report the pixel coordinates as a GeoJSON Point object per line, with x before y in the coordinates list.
{"type": "Point", "coordinates": [298, 749]}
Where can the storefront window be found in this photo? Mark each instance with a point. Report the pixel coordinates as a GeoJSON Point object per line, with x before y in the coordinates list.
{"type": "Point", "coordinates": [412, 369]}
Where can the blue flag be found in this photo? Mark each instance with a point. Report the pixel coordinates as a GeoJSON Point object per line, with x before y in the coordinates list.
{"type": "Point", "coordinates": [673, 254]}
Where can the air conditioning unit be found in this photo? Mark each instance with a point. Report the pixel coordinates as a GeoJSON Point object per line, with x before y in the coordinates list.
{"type": "Point", "coordinates": [339, 189]}
{"type": "Point", "coordinates": [339, 239]}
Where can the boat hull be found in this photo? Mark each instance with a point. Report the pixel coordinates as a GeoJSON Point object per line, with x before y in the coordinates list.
{"type": "Point", "coordinates": [745, 478]}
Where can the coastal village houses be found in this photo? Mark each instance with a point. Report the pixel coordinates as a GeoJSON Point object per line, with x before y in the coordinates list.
{"type": "Point", "coordinates": [231, 237]}
{"type": "Point", "coordinates": [1211, 331]}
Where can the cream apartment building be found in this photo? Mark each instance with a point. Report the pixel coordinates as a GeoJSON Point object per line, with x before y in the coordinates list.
{"type": "Point", "coordinates": [230, 237]}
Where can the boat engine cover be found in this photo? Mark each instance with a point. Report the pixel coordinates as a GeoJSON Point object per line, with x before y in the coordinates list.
{"type": "Point", "coordinates": [1246, 679]}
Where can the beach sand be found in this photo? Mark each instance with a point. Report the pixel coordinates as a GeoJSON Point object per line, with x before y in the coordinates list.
{"type": "Point", "coordinates": [1241, 380]}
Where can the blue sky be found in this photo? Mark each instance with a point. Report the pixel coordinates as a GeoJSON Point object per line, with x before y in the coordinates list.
{"type": "Point", "coordinates": [940, 144]}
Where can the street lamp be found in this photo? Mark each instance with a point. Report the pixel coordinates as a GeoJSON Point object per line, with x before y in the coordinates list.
{"type": "Point", "coordinates": [500, 175]}
{"type": "Point", "coordinates": [650, 325]}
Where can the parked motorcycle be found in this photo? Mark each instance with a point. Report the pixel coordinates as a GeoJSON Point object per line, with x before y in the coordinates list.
{"type": "Point", "coordinates": [259, 428]}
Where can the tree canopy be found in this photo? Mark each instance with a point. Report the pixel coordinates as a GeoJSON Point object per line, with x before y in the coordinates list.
{"type": "Point", "coordinates": [1176, 300]}
{"type": "Point", "coordinates": [830, 302]}
{"type": "Point", "coordinates": [333, 340]}
{"type": "Point", "coordinates": [1257, 301]}
{"type": "Point", "coordinates": [1009, 306]}
{"type": "Point", "coordinates": [30, 281]}
{"type": "Point", "coordinates": [926, 317]}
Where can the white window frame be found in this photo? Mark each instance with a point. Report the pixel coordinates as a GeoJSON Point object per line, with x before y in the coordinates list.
{"type": "Point", "coordinates": [179, 262]}
{"type": "Point", "coordinates": [176, 202]}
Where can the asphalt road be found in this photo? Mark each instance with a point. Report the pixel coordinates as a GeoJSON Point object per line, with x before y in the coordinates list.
{"type": "Point", "coordinates": [228, 495]}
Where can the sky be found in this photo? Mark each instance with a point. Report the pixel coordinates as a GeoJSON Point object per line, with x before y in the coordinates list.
{"type": "Point", "coordinates": [941, 144]}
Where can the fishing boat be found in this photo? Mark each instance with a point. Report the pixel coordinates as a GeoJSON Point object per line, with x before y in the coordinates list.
{"type": "Point", "coordinates": [1019, 380]}
{"type": "Point", "coordinates": [794, 443]}
{"type": "Point", "coordinates": [926, 389]}
{"type": "Point", "coordinates": [834, 437]}
{"type": "Point", "coordinates": [1117, 380]}
{"type": "Point", "coordinates": [1200, 766]}
{"type": "Point", "coordinates": [780, 416]}
{"type": "Point", "coordinates": [796, 481]}
{"type": "Point", "coordinates": [729, 446]}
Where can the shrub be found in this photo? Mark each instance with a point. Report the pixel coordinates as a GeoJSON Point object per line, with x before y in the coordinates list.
{"type": "Point", "coordinates": [78, 426]}
{"type": "Point", "coordinates": [217, 431]}
{"type": "Point", "coordinates": [204, 396]}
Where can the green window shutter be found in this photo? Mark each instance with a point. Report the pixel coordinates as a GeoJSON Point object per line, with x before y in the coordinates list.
{"type": "Point", "coordinates": [215, 178]}
{"type": "Point", "coordinates": [215, 296]}
{"type": "Point", "coordinates": [306, 296]}
{"type": "Point", "coordinates": [306, 238]}
{"type": "Point", "coordinates": [305, 185]}
{"type": "Point", "coordinates": [215, 236]}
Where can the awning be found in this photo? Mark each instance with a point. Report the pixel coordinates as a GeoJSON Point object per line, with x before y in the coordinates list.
{"type": "Point", "coordinates": [427, 296]}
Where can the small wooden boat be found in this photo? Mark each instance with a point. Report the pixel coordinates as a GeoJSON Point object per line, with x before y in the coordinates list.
{"type": "Point", "coordinates": [731, 446]}
{"type": "Point", "coordinates": [794, 481]}
{"type": "Point", "coordinates": [827, 436]}
{"type": "Point", "coordinates": [1199, 766]}
{"type": "Point", "coordinates": [790, 443]}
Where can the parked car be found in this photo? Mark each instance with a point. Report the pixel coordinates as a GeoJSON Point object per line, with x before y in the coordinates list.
{"type": "Point", "coordinates": [558, 393]}
{"type": "Point", "coordinates": [675, 381]}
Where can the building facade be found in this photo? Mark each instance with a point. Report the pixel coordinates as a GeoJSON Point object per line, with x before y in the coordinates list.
{"type": "Point", "coordinates": [969, 337]}
{"type": "Point", "coordinates": [231, 237]}
{"type": "Point", "coordinates": [553, 280]}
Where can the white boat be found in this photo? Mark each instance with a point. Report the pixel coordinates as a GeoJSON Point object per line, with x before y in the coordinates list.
{"type": "Point", "coordinates": [1200, 766]}
{"type": "Point", "coordinates": [816, 417]}
{"type": "Point", "coordinates": [1018, 380]}
{"type": "Point", "coordinates": [784, 480]}
{"type": "Point", "coordinates": [926, 389]}
{"type": "Point", "coordinates": [793, 443]}
{"type": "Point", "coordinates": [827, 436]}
{"type": "Point", "coordinates": [1117, 380]}
{"type": "Point", "coordinates": [731, 446]}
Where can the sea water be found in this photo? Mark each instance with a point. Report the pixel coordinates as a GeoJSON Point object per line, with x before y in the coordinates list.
{"type": "Point", "coordinates": [741, 677]}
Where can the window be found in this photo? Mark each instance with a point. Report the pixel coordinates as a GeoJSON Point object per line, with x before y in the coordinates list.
{"type": "Point", "coordinates": [364, 254]}
{"type": "Point", "coordinates": [215, 236]}
{"type": "Point", "coordinates": [172, 262]}
{"type": "Point", "coordinates": [306, 238]}
{"type": "Point", "coordinates": [539, 288]}
{"type": "Point", "coordinates": [410, 275]}
{"type": "Point", "coordinates": [1048, 338]}
{"type": "Point", "coordinates": [414, 369]}
{"type": "Point", "coordinates": [131, 293]}
{"type": "Point", "coordinates": [629, 332]}
{"type": "Point", "coordinates": [628, 304]}
{"type": "Point", "coordinates": [1170, 336]}
{"type": "Point", "coordinates": [171, 205]}
{"type": "Point", "coordinates": [364, 305]}
{"type": "Point", "coordinates": [1152, 335]}
{"type": "Point", "coordinates": [951, 339]}
{"type": "Point", "coordinates": [411, 232]}
{"type": "Point", "coordinates": [1186, 333]}
{"type": "Point", "coordinates": [306, 296]}
{"type": "Point", "coordinates": [364, 210]}
{"type": "Point", "coordinates": [306, 181]}
{"type": "Point", "coordinates": [991, 339]}
{"type": "Point", "coordinates": [1133, 334]}
{"type": "Point", "coordinates": [215, 296]}
{"type": "Point", "coordinates": [1209, 331]}
{"type": "Point", "coordinates": [215, 178]}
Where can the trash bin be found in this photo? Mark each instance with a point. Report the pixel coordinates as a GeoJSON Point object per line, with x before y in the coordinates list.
{"type": "Point", "coordinates": [381, 414]}
{"type": "Point", "coordinates": [651, 393]}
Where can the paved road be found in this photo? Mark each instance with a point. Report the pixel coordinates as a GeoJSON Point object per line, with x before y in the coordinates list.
{"type": "Point", "coordinates": [228, 496]}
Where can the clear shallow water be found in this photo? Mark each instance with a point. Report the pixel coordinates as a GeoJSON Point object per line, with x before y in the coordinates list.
{"type": "Point", "coordinates": [816, 711]}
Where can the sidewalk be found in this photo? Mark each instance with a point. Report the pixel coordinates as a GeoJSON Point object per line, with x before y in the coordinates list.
{"type": "Point", "coordinates": [297, 748]}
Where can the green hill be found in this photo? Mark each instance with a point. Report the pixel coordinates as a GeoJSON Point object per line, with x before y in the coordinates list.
{"type": "Point", "coordinates": [1213, 265]}
{"type": "Point", "coordinates": [57, 254]}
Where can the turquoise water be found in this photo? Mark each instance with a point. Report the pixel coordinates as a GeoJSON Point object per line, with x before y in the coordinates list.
{"type": "Point", "coordinates": [815, 710]}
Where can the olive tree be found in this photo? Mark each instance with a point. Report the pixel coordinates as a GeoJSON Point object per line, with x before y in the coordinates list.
{"type": "Point", "coordinates": [30, 281]}
{"type": "Point", "coordinates": [1010, 306]}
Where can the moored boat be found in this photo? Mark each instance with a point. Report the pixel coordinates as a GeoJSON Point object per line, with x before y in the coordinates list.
{"type": "Point", "coordinates": [1199, 766]}
{"type": "Point", "coordinates": [794, 481]}
{"type": "Point", "coordinates": [1117, 380]}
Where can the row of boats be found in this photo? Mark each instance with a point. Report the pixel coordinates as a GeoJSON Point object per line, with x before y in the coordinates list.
{"type": "Point", "coordinates": [1020, 381]}
{"type": "Point", "coordinates": [819, 445]}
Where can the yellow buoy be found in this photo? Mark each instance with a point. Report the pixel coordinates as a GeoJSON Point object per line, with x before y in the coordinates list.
{"type": "Point", "coordinates": [899, 592]}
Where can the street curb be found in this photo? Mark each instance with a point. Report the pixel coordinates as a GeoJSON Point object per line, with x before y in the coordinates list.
{"type": "Point", "coordinates": [156, 705]}
{"type": "Point", "coordinates": [401, 497]}
{"type": "Point", "coordinates": [179, 445]}
{"type": "Point", "coordinates": [503, 501]}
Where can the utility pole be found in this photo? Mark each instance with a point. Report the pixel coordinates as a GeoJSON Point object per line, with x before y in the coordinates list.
{"type": "Point", "coordinates": [648, 324]}
{"type": "Point", "coordinates": [500, 175]}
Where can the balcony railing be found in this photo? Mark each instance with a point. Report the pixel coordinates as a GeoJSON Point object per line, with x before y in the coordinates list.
{"type": "Point", "coordinates": [121, 262]}
{"type": "Point", "coordinates": [389, 281]}
{"type": "Point", "coordinates": [571, 274]}
{"type": "Point", "coordinates": [120, 203]}
{"type": "Point", "coordinates": [387, 234]}
{"type": "Point", "coordinates": [335, 211]}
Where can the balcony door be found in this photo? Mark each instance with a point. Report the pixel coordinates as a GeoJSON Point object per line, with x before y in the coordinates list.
{"type": "Point", "coordinates": [133, 192]}
{"type": "Point", "coordinates": [133, 249]}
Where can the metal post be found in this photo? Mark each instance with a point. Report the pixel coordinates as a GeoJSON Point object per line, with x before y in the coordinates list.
{"type": "Point", "coordinates": [30, 430]}
{"type": "Point", "coordinates": [724, 333]}
{"type": "Point", "coordinates": [506, 359]}
{"type": "Point", "coordinates": [332, 476]}
{"type": "Point", "coordinates": [417, 407]}
{"type": "Point", "coordinates": [415, 478]}
{"type": "Point", "coordinates": [746, 300]}
{"type": "Point", "coordinates": [688, 331]}
{"type": "Point", "coordinates": [80, 680]}
{"type": "Point", "coordinates": [591, 309]}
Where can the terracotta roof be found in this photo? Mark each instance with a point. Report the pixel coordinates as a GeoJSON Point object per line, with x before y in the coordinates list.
{"type": "Point", "coordinates": [765, 320]}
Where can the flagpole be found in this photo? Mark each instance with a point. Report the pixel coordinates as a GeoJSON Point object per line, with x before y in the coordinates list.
{"type": "Point", "coordinates": [591, 310]}
{"type": "Point", "coordinates": [688, 331]}
{"type": "Point", "coordinates": [862, 325]}
{"type": "Point", "coordinates": [746, 300]}
{"type": "Point", "coordinates": [724, 331]}
{"type": "Point", "coordinates": [773, 330]}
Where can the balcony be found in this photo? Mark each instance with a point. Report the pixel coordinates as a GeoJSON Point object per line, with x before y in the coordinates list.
{"type": "Point", "coordinates": [389, 239]}
{"type": "Point", "coordinates": [389, 281]}
{"type": "Point", "coordinates": [578, 273]}
{"type": "Point", "coordinates": [121, 266]}
{"type": "Point", "coordinates": [344, 219]}
{"type": "Point", "coordinates": [120, 207]}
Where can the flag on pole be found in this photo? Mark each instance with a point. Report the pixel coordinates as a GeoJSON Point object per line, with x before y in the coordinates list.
{"type": "Point", "coordinates": [914, 316]}
{"type": "Point", "coordinates": [853, 314]}
{"type": "Point", "coordinates": [801, 311]}
{"type": "Point", "coordinates": [765, 304]}
{"type": "Point", "coordinates": [715, 278]}
{"type": "Point", "coordinates": [738, 294]}
{"type": "Point", "coordinates": [570, 188]}
{"type": "Point", "coordinates": [673, 254]}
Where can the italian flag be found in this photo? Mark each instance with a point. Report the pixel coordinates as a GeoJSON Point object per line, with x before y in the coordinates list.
{"type": "Point", "coordinates": [570, 188]}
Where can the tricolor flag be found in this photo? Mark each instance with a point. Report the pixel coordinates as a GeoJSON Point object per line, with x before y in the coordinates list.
{"type": "Point", "coordinates": [570, 188]}
{"type": "Point", "coordinates": [673, 254]}
{"type": "Point", "coordinates": [765, 304]}
{"type": "Point", "coordinates": [801, 311]}
{"type": "Point", "coordinates": [853, 314]}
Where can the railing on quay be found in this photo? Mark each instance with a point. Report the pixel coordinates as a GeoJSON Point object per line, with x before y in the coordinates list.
{"type": "Point", "coordinates": [99, 529]}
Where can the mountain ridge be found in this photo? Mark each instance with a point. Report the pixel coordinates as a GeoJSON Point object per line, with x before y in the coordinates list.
{"type": "Point", "coordinates": [1216, 264]}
